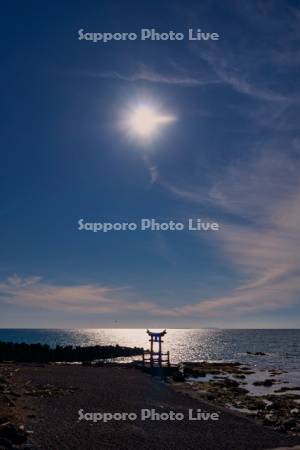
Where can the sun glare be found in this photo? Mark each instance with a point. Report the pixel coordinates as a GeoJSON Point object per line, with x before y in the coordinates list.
{"type": "Point", "coordinates": [145, 121]}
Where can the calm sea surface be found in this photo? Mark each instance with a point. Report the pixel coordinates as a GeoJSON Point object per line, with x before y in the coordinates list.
{"type": "Point", "coordinates": [282, 347]}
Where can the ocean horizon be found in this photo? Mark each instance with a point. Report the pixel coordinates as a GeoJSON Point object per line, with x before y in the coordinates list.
{"type": "Point", "coordinates": [279, 348]}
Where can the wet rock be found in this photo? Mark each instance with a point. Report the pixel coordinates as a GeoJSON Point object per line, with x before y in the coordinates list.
{"type": "Point", "coordinates": [228, 383]}
{"type": "Point", "coordinates": [274, 372]}
{"type": "Point", "coordinates": [240, 376]}
{"type": "Point", "coordinates": [266, 383]}
{"type": "Point", "coordinates": [281, 412]}
{"type": "Point", "coordinates": [213, 368]}
{"type": "Point", "coordinates": [239, 390]}
{"type": "Point", "coordinates": [285, 389]}
{"type": "Point", "coordinates": [188, 371]}
{"type": "Point", "coordinates": [178, 377]}
{"type": "Point", "coordinates": [257, 353]}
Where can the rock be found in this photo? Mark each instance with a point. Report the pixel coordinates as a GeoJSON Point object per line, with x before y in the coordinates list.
{"type": "Point", "coordinates": [178, 377]}
{"type": "Point", "coordinates": [285, 389]}
{"type": "Point", "coordinates": [289, 423]}
{"type": "Point", "coordinates": [270, 420]}
{"type": "Point", "coordinates": [267, 383]}
{"type": "Point", "coordinates": [11, 432]}
{"type": "Point", "coordinates": [4, 419]}
{"type": "Point", "coordinates": [15, 394]}
{"type": "Point", "coordinates": [200, 373]}
{"type": "Point", "coordinates": [194, 372]}
{"type": "Point", "coordinates": [240, 376]}
{"type": "Point", "coordinates": [257, 353]}
{"type": "Point", "coordinates": [274, 372]}
{"type": "Point", "coordinates": [239, 390]}
{"type": "Point", "coordinates": [277, 405]}
{"type": "Point", "coordinates": [229, 383]}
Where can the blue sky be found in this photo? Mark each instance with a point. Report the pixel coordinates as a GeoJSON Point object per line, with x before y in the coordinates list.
{"type": "Point", "coordinates": [231, 156]}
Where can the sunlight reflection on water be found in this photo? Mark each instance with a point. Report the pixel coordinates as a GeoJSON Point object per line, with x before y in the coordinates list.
{"type": "Point", "coordinates": [282, 347]}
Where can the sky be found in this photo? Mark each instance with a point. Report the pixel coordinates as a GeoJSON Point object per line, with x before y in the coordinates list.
{"type": "Point", "coordinates": [230, 154]}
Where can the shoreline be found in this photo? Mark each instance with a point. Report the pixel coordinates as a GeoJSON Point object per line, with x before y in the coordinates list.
{"type": "Point", "coordinates": [265, 395]}
{"type": "Point", "coordinates": [45, 400]}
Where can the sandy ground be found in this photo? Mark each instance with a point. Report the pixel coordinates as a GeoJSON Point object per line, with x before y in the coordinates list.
{"type": "Point", "coordinates": [51, 396]}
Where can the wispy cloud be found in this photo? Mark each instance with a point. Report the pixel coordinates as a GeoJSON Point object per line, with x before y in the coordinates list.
{"type": "Point", "coordinates": [151, 75]}
{"type": "Point", "coordinates": [263, 194]}
{"type": "Point", "coordinates": [259, 238]}
{"type": "Point", "coordinates": [76, 298]}
{"type": "Point", "coordinates": [222, 76]}
{"type": "Point", "coordinates": [250, 188]}
{"type": "Point", "coordinates": [35, 292]}
{"type": "Point", "coordinates": [234, 69]}
{"type": "Point", "coordinates": [256, 70]}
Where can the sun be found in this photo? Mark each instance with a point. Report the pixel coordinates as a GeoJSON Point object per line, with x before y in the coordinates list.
{"type": "Point", "coordinates": [145, 121]}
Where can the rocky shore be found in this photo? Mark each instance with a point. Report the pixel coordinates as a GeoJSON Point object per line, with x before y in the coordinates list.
{"type": "Point", "coordinates": [40, 404]}
{"type": "Point", "coordinates": [13, 434]}
{"type": "Point", "coordinates": [260, 394]}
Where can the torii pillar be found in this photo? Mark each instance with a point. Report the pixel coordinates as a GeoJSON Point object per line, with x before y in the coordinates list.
{"type": "Point", "coordinates": [156, 356]}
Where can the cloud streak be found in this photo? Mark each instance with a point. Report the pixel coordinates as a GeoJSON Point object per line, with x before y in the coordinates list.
{"type": "Point", "coordinates": [259, 239]}
{"type": "Point", "coordinates": [151, 75]}
{"type": "Point", "coordinates": [263, 195]}
{"type": "Point", "coordinates": [34, 292]}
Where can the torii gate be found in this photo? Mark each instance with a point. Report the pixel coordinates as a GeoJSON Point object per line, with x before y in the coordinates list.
{"type": "Point", "coordinates": [156, 358]}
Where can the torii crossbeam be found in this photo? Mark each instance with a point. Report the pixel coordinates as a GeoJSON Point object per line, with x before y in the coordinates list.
{"type": "Point", "coordinates": [156, 358]}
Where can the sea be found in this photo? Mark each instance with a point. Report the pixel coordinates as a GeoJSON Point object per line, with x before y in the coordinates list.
{"type": "Point", "coordinates": [281, 348]}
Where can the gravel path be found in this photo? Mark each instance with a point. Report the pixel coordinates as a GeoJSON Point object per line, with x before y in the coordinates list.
{"type": "Point", "coordinates": [55, 394]}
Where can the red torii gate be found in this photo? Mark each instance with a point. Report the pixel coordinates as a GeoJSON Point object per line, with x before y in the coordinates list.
{"type": "Point", "coordinates": [156, 358]}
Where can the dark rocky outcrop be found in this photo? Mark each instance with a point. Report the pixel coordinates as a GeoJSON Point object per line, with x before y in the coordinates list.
{"type": "Point", "coordinates": [10, 351]}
